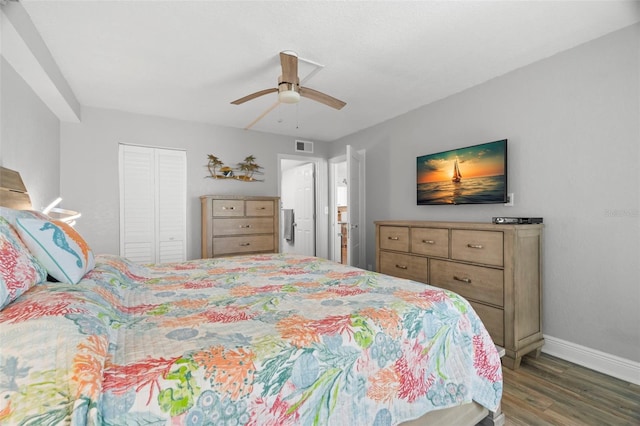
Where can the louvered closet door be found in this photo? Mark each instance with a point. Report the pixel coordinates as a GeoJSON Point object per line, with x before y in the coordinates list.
{"type": "Point", "coordinates": [152, 204]}
{"type": "Point", "coordinates": [171, 205]}
{"type": "Point", "coordinates": [137, 204]}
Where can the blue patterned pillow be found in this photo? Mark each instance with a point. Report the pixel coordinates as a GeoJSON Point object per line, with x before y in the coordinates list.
{"type": "Point", "coordinates": [19, 270]}
{"type": "Point", "coordinates": [59, 247]}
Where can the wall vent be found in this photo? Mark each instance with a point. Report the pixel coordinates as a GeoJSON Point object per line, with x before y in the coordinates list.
{"type": "Point", "coordinates": [304, 146]}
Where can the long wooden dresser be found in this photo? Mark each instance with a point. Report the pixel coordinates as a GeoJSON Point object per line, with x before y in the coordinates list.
{"type": "Point", "coordinates": [233, 225]}
{"type": "Point", "coordinates": [497, 268]}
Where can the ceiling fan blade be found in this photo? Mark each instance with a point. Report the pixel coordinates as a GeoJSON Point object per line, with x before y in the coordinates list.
{"type": "Point", "coordinates": [322, 98]}
{"type": "Point", "coordinates": [289, 62]}
{"type": "Point", "coordinates": [254, 95]}
{"type": "Point", "coordinates": [261, 116]}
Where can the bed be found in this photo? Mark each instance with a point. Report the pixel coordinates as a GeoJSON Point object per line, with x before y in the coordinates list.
{"type": "Point", "coordinates": [249, 340]}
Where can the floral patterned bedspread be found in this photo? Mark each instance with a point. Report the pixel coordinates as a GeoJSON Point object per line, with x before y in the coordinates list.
{"type": "Point", "coordinates": [251, 340]}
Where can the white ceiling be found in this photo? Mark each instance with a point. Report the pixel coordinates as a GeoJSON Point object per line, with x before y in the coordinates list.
{"type": "Point", "coordinates": [189, 59]}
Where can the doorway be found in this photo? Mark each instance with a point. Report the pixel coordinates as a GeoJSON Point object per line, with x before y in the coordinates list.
{"type": "Point", "coordinates": [297, 198]}
{"type": "Point", "coordinates": [303, 202]}
{"type": "Point", "coordinates": [339, 211]}
{"type": "Point", "coordinates": [347, 190]}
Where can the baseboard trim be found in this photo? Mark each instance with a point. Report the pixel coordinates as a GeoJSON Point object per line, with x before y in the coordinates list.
{"type": "Point", "coordinates": [594, 359]}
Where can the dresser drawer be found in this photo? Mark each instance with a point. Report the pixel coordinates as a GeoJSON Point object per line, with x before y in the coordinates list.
{"type": "Point", "coordinates": [493, 320]}
{"type": "Point", "coordinates": [404, 266]}
{"type": "Point", "coordinates": [430, 241]}
{"type": "Point", "coordinates": [260, 208]}
{"type": "Point", "coordinates": [243, 226]}
{"type": "Point", "coordinates": [477, 246]}
{"type": "Point", "coordinates": [227, 208]}
{"type": "Point", "coordinates": [472, 282]}
{"type": "Point", "coordinates": [394, 238]}
{"type": "Point", "coordinates": [242, 244]}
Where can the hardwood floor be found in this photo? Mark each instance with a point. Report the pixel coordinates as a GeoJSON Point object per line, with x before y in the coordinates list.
{"type": "Point", "coordinates": [551, 391]}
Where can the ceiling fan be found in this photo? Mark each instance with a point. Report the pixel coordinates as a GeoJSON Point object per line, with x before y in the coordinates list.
{"type": "Point", "coordinates": [289, 89]}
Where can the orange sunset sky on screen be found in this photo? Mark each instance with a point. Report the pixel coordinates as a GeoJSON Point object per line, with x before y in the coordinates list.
{"type": "Point", "coordinates": [469, 169]}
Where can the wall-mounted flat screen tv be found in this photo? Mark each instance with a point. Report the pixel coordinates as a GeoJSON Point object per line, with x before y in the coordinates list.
{"type": "Point", "coordinates": [473, 175]}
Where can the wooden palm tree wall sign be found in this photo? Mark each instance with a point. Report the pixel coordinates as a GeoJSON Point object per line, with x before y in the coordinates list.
{"type": "Point", "coordinates": [244, 170]}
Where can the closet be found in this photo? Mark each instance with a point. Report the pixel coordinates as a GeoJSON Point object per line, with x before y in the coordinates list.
{"type": "Point", "coordinates": [153, 184]}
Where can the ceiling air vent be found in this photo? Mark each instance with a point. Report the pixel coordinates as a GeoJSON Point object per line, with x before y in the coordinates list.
{"type": "Point", "coordinates": [304, 146]}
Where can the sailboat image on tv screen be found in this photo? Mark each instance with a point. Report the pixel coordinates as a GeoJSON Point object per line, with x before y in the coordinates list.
{"type": "Point", "coordinates": [456, 172]}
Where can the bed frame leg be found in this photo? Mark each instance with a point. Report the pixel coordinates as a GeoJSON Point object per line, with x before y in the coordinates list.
{"type": "Point", "coordinates": [495, 418]}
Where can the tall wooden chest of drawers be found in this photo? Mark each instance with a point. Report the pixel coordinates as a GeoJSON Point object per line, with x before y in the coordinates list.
{"type": "Point", "coordinates": [233, 225]}
{"type": "Point", "coordinates": [497, 268]}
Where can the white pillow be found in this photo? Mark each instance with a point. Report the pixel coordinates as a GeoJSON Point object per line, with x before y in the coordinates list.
{"type": "Point", "coordinates": [12, 214]}
{"type": "Point", "coordinates": [59, 247]}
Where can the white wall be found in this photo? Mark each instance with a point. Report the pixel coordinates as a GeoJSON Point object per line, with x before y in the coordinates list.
{"type": "Point", "coordinates": [30, 135]}
{"type": "Point", "coordinates": [573, 124]}
{"type": "Point", "coordinates": [89, 166]}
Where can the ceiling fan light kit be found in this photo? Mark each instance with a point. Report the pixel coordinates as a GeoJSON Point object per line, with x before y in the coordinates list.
{"type": "Point", "coordinates": [289, 97]}
{"type": "Point", "coordinates": [288, 93]}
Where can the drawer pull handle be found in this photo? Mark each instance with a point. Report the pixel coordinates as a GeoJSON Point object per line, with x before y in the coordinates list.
{"type": "Point", "coordinates": [262, 208]}
{"type": "Point", "coordinates": [475, 246]}
{"type": "Point", "coordinates": [394, 238]}
{"type": "Point", "coordinates": [244, 226]}
{"type": "Point", "coordinates": [464, 280]}
{"type": "Point", "coordinates": [228, 208]}
{"type": "Point", "coordinates": [401, 267]}
{"type": "Point", "coordinates": [245, 244]}
{"type": "Point", "coordinates": [428, 241]}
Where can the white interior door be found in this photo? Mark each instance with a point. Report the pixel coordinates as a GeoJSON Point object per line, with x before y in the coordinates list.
{"type": "Point", "coordinates": [304, 210]}
{"type": "Point", "coordinates": [355, 194]}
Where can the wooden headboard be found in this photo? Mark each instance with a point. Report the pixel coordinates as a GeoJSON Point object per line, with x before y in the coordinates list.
{"type": "Point", "coordinates": [13, 193]}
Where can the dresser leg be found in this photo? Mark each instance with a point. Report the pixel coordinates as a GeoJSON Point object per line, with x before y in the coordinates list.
{"type": "Point", "coordinates": [512, 359]}
{"type": "Point", "coordinates": [512, 363]}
